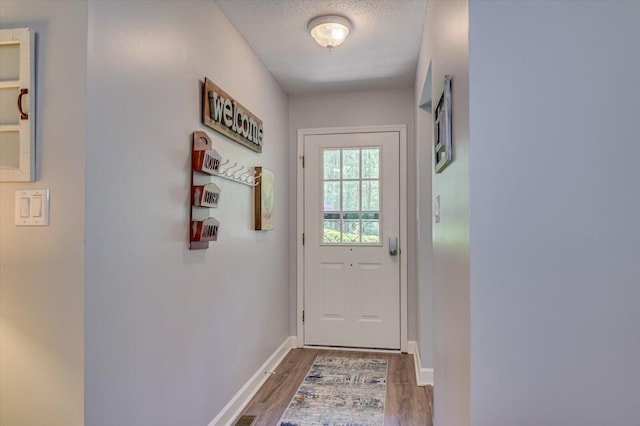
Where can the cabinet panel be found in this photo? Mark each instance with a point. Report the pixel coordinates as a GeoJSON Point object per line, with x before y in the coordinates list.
{"type": "Point", "coordinates": [17, 109]}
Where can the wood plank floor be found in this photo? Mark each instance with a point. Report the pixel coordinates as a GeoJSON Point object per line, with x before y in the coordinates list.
{"type": "Point", "coordinates": [407, 404]}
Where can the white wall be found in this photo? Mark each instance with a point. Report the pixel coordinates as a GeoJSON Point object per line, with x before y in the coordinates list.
{"type": "Point", "coordinates": [173, 334]}
{"type": "Point", "coordinates": [41, 268]}
{"type": "Point", "coordinates": [555, 202]}
{"type": "Point", "coordinates": [348, 109]}
{"type": "Point", "coordinates": [446, 45]}
{"type": "Point", "coordinates": [424, 169]}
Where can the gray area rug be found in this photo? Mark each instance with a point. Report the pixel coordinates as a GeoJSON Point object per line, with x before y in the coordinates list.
{"type": "Point", "coordinates": [340, 391]}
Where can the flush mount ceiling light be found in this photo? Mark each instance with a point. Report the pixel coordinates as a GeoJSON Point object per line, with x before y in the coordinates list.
{"type": "Point", "coordinates": [329, 30]}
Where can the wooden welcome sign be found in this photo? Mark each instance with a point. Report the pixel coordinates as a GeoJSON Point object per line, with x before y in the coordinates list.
{"type": "Point", "coordinates": [227, 116]}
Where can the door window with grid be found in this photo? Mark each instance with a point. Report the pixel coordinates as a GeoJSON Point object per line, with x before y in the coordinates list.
{"type": "Point", "coordinates": [351, 196]}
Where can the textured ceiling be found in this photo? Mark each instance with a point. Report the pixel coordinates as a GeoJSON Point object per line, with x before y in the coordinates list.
{"type": "Point", "coordinates": [380, 52]}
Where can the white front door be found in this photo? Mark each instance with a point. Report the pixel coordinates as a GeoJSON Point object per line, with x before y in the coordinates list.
{"type": "Point", "coordinates": [351, 226]}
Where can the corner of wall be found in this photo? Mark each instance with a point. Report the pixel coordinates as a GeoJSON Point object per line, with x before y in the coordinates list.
{"type": "Point", "coordinates": [424, 375]}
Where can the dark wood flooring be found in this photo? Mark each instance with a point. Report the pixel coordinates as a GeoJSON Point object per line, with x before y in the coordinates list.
{"type": "Point", "coordinates": [407, 404]}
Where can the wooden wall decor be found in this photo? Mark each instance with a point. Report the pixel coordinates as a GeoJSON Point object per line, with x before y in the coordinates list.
{"type": "Point", "coordinates": [17, 105]}
{"type": "Point", "coordinates": [205, 161]}
{"type": "Point", "coordinates": [263, 199]}
{"type": "Point", "coordinates": [203, 231]}
{"type": "Point", "coordinates": [205, 195]}
{"type": "Point", "coordinates": [226, 115]}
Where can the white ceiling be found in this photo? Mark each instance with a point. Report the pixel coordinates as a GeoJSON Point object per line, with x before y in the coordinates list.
{"type": "Point", "coordinates": [380, 52]}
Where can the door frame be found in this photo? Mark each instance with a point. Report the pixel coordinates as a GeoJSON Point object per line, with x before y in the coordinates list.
{"type": "Point", "coordinates": [401, 129]}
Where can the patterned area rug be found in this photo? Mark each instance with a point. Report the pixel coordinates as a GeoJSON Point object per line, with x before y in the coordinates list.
{"type": "Point", "coordinates": [340, 391]}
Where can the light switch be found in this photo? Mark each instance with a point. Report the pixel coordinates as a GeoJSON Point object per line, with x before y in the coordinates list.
{"type": "Point", "coordinates": [36, 206]}
{"type": "Point", "coordinates": [32, 207]}
{"type": "Point", "coordinates": [24, 207]}
{"type": "Point", "coordinates": [436, 209]}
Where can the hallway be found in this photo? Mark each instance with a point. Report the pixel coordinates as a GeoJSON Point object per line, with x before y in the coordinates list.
{"type": "Point", "coordinates": [521, 257]}
{"type": "Point", "coordinates": [406, 403]}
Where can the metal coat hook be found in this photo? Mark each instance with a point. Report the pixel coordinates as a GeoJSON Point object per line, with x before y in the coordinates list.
{"type": "Point", "coordinates": [254, 180]}
{"type": "Point", "coordinates": [233, 172]}
{"type": "Point", "coordinates": [229, 170]}
{"type": "Point", "coordinates": [237, 174]}
{"type": "Point", "coordinates": [224, 169]}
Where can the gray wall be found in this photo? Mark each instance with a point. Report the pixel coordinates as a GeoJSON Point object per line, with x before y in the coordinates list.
{"type": "Point", "coordinates": [173, 334]}
{"type": "Point", "coordinates": [424, 170]}
{"type": "Point", "coordinates": [446, 45]}
{"type": "Point", "coordinates": [555, 203]}
{"type": "Point", "coordinates": [42, 268]}
{"type": "Point", "coordinates": [344, 109]}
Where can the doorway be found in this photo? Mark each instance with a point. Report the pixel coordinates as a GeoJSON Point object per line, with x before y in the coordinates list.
{"type": "Point", "coordinates": [351, 265]}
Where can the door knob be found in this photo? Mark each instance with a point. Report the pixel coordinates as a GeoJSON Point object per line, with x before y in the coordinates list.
{"type": "Point", "coordinates": [393, 246]}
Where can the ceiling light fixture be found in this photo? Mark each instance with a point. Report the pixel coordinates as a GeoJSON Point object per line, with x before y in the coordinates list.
{"type": "Point", "coordinates": [329, 30]}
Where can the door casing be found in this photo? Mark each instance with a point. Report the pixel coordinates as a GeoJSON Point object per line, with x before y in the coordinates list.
{"type": "Point", "coordinates": [402, 131]}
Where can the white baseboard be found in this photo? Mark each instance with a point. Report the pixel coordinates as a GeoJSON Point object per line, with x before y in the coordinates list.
{"type": "Point", "coordinates": [424, 376]}
{"type": "Point", "coordinates": [234, 408]}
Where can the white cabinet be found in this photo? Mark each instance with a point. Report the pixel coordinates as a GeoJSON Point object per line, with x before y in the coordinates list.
{"type": "Point", "coordinates": [17, 108]}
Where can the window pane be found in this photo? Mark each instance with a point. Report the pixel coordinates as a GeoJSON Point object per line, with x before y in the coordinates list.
{"type": "Point", "coordinates": [370, 195]}
{"type": "Point", "coordinates": [351, 196]}
{"type": "Point", "coordinates": [332, 164]}
{"type": "Point", "coordinates": [331, 232]}
{"type": "Point", "coordinates": [351, 231]}
{"type": "Point", "coordinates": [351, 164]}
{"type": "Point", "coordinates": [371, 231]}
{"type": "Point", "coordinates": [371, 163]}
{"type": "Point", "coordinates": [8, 110]}
{"type": "Point", "coordinates": [332, 196]}
{"type": "Point", "coordinates": [9, 150]}
{"type": "Point", "coordinates": [10, 63]}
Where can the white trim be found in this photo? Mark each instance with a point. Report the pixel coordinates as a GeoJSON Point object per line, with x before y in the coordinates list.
{"type": "Point", "coordinates": [402, 130]}
{"type": "Point", "coordinates": [424, 376]}
{"type": "Point", "coordinates": [234, 408]}
{"type": "Point", "coordinates": [299, 245]}
{"type": "Point", "coordinates": [404, 345]}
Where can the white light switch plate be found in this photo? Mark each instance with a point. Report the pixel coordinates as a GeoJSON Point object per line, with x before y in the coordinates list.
{"type": "Point", "coordinates": [32, 207]}
{"type": "Point", "coordinates": [436, 209]}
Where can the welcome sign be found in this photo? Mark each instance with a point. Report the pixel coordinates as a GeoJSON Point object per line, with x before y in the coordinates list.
{"type": "Point", "coordinates": [227, 116]}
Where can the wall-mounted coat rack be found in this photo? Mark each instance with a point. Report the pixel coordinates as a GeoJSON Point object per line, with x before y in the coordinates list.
{"type": "Point", "coordinates": [208, 160]}
{"type": "Point", "coordinates": [238, 173]}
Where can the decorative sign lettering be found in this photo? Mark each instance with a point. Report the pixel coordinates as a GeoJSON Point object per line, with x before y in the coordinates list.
{"type": "Point", "coordinates": [226, 115]}
{"type": "Point", "coordinates": [206, 195]}
{"type": "Point", "coordinates": [205, 230]}
{"type": "Point", "coordinates": [205, 159]}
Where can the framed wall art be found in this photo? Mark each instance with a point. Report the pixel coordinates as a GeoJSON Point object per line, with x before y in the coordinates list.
{"type": "Point", "coordinates": [264, 202]}
{"type": "Point", "coordinates": [17, 105]}
{"type": "Point", "coordinates": [442, 145]}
